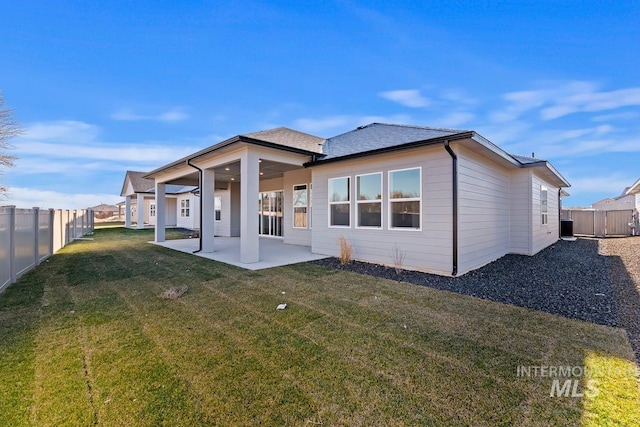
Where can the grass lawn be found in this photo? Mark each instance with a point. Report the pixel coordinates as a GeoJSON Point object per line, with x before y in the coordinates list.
{"type": "Point", "coordinates": [85, 339]}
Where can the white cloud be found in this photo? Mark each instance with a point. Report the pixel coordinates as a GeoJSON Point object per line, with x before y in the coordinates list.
{"type": "Point", "coordinates": [170, 116]}
{"type": "Point", "coordinates": [408, 98]}
{"type": "Point", "coordinates": [627, 115]}
{"type": "Point", "coordinates": [61, 130]}
{"type": "Point", "coordinates": [30, 197]}
{"type": "Point", "coordinates": [559, 99]}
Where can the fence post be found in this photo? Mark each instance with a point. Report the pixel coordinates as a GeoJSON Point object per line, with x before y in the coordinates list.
{"type": "Point", "coordinates": [36, 237]}
{"type": "Point", "coordinates": [52, 229]}
{"type": "Point", "coordinates": [12, 243]}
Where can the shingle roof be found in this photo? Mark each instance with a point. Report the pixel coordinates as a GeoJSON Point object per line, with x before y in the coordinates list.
{"type": "Point", "coordinates": [526, 160]}
{"type": "Point", "coordinates": [376, 136]}
{"type": "Point", "coordinates": [139, 184]}
{"type": "Point", "coordinates": [290, 138]}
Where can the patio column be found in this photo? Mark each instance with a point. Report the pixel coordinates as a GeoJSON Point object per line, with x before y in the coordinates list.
{"type": "Point", "coordinates": [249, 187]}
{"type": "Point", "coordinates": [127, 211]}
{"type": "Point", "coordinates": [207, 220]}
{"type": "Point", "coordinates": [140, 211]}
{"type": "Point", "coordinates": [161, 212]}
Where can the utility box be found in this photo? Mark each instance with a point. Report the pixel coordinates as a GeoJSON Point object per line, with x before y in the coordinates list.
{"type": "Point", "coordinates": [566, 228]}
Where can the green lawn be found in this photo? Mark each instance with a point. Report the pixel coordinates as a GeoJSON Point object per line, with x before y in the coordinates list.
{"type": "Point", "coordinates": [85, 339]}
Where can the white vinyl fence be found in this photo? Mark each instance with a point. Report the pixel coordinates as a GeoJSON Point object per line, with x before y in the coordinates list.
{"type": "Point", "coordinates": [29, 236]}
{"type": "Point", "coordinates": [592, 222]}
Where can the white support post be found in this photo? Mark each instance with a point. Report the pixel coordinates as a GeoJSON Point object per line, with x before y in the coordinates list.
{"type": "Point", "coordinates": [161, 212]}
{"type": "Point", "coordinates": [207, 199]}
{"type": "Point", "coordinates": [12, 242]}
{"type": "Point", "coordinates": [140, 211]}
{"type": "Point", "coordinates": [36, 235]}
{"type": "Point", "coordinates": [249, 187]}
{"type": "Point", "coordinates": [127, 211]}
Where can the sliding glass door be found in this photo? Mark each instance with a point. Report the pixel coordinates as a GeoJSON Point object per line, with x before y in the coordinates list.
{"type": "Point", "coordinates": [270, 213]}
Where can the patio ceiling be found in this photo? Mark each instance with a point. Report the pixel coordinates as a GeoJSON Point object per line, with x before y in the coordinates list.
{"type": "Point", "coordinates": [230, 172]}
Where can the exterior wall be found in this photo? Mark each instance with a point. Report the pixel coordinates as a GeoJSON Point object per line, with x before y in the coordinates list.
{"type": "Point", "coordinates": [192, 221]}
{"type": "Point", "coordinates": [223, 227]}
{"type": "Point", "coordinates": [543, 235]}
{"type": "Point", "coordinates": [429, 249]}
{"type": "Point", "coordinates": [520, 211]}
{"type": "Point", "coordinates": [483, 211]}
{"type": "Point", "coordinates": [296, 236]}
{"type": "Point", "coordinates": [623, 203]}
{"type": "Point", "coordinates": [275, 184]}
{"type": "Point", "coordinates": [235, 206]}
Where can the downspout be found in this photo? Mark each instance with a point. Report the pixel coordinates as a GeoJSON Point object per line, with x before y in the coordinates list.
{"type": "Point", "coordinates": [560, 213]}
{"type": "Point", "coordinates": [454, 173]}
{"type": "Point", "coordinates": [200, 204]}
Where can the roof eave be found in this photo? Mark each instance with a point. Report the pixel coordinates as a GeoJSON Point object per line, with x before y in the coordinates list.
{"type": "Point", "coordinates": [634, 189]}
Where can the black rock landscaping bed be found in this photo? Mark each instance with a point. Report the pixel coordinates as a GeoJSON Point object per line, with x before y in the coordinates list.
{"type": "Point", "coordinates": [568, 279]}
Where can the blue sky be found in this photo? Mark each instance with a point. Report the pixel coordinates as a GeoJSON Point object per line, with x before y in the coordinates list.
{"type": "Point", "coordinates": [102, 87]}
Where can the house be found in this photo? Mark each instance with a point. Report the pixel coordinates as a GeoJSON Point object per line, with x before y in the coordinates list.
{"type": "Point", "coordinates": [449, 200]}
{"type": "Point", "coordinates": [622, 202]}
{"type": "Point", "coordinates": [181, 203]}
{"type": "Point", "coordinates": [104, 211]}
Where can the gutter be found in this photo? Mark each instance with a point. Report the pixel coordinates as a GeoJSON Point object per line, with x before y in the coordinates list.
{"type": "Point", "coordinates": [200, 204]}
{"type": "Point", "coordinates": [454, 177]}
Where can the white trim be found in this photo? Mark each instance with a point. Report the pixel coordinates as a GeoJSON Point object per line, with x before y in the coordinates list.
{"type": "Point", "coordinates": [358, 202]}
{"type": "Point", "coordinates": [330, 203]}
{"type": "Point", "coordinates": [215, 199]}
{"type": "Point", "coordinates": [152, 209]}
{"type": "Point", "coordinates": [306, 206]}
{"type": "Point", "coordinates": [418, 199]}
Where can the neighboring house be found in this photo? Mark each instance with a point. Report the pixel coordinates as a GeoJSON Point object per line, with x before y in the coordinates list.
{"type": "Point", "coordinates": [182, 205]}
{"type": "Point", "coordinates": [622, 202]}
{"type": "Point", "coordinates": [449, 200]}
{"type": "Point", "coordinates": [103, 211]}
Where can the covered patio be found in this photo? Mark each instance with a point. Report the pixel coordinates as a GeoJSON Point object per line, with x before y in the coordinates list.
{"type": "Point", "coordinates": [273, 252]}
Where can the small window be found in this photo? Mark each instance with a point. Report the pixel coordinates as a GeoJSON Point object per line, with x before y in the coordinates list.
{"type": "Point", "coordinates": [405, 189]}
{"type": "Point", "coordinates": [218, 208]}
{"type": "Point", "coordinates": [339, 202]}
{"type": "Point", "coordinates": [311, 204]}
{"type": "Point", "coordinates": [543, 206]}
{"type": "Point", "coordinates": [369, 200]}
{"type": "Point", "coordinates": [300, 204]}
{"type": "Point", "coordinates": [152, 209]}
{"type": "Point", "coordinates": [184, 208]}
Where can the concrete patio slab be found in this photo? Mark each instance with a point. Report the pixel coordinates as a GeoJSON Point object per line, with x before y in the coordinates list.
{"type": "Point", "coordinates": [273, 252]}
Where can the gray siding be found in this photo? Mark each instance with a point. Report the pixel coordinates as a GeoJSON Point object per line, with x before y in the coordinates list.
{"type": "Point", "coordinates": [483, 210]}
{"type": "Point", "coordinates": [520, 211]}
{"type": "Point", "coordinates": [429, 249]}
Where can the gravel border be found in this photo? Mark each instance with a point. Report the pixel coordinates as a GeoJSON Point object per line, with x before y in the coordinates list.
{"type": "Point", "coordinates": [569, 279]}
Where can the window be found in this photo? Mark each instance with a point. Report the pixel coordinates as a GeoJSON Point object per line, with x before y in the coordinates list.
{"type": "Point", "coordinates": [543, 206]}
{"type": "Point", "coordinates": [405, 189]}
{"type": "Point", "coordinates": [184, 208]}
{"type": "Point", "coordinates": [369, 200]}
{"type": "Point", "coordinates": [218, 208]}
{"type": "Point", "coordinates": [339, 202]}
{"type": "Point", "coordinates": [311, 204]}
{"type": "Point", "coordinates": [152, 209]}
{"type": "Point", "coordinates": [300, 203]}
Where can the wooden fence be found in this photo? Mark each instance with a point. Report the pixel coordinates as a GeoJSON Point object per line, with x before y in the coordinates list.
{"type": "Point", "coordinates": [592, 222]}
{"type": "Point", "coordinates": [29, 236]}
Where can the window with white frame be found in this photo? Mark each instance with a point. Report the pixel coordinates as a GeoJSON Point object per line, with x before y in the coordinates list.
{"type": "Point", "coordinates": [339, 202]}
{"type": "Point", "coordinates": [300, 205]}
{"type": "Point", "coordinates": [184, 208]}
{"type": "Point", "coordinates": [405, 198]}
{"type": "Point", "coordinates": [152, 209]}
{"type": "Point", "coordinates": [369, 200]}
{"type": "Point", "coordinates": [311, 204]}
{"type": "Point", "coordinates": [544, 217]}
{"type": "Point", "coordinates": [218, 208]}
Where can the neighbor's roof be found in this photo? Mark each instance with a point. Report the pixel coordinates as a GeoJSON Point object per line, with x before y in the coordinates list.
{"type": "Point", "coordinates": [379, 136]}
{"type": "Point", "coordinates": [138, 182]}
{"type": "Point", "coordinates": [634, 189]}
